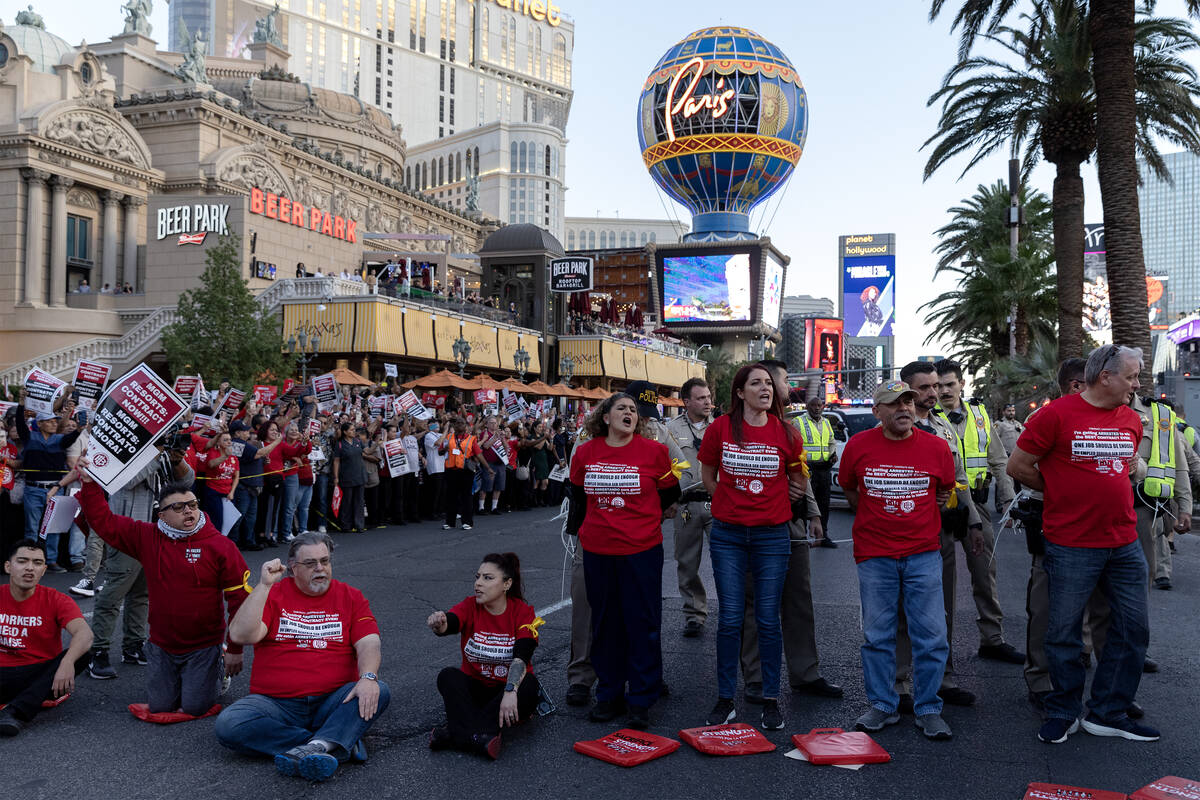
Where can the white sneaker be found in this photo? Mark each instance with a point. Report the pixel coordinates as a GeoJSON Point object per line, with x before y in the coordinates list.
{"type": "Point", "coordinates": [321, 529]}
{"type": "Point", "coordinates": [85, 588]}
{"type": "Point", "coordinates": [288, 537]}
{"type": "Point", "coordinates": [466, 527]}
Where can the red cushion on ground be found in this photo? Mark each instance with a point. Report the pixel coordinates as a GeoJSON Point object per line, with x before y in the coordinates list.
{"type": "Point", "coordinates": [53, 703]}
{"type": "Point", "coordinates": [1168, 788]}
{"type": "Point", "coordinates": [736, 739]}
{"type": "Point", "coordinates": [836, 746]}
{"type": "Point", "coordinates": [142, 712]}
{"type": "Point", "coordinates": [1056, 791]}
{"type": "Point", "coordinates": [628, 748]}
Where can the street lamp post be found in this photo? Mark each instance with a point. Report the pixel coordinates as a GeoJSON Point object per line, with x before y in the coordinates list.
{"type": "Point", "coordinates": [462, 353]}
{"type": "Point", "coordinates": [521, 361]}
{"type": "Point", "coordinates": [299, 353]}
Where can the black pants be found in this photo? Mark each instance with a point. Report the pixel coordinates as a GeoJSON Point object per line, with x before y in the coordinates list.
{"type": "Point", "coordinates": [350, 515]}
{"type": "Point", "coordinates": [396, 499]}
{"type": "Point", "coordinates": [433, 497]}
{"type": "Point", "coordinates": [373, 495]}
{"type": "Point", "coordinates": [24, 688]}
{"type": "Point", "coordinates": [473, 707]}
{"type": "Point", "coordinates": [625, 593]}
{"type": "Point", "coordinates": [458, 496]}
{"type": "Point", "coordinates": [412, 490]}
{"type": "Point", "coordinates": [821, 479]}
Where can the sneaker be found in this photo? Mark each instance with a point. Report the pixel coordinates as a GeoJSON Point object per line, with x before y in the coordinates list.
{"type": "Point", "coordinates": [487, 745]}
{"type": "Point", "coordinates": [1001, 652]}
{"type": "Point", "coordinates": [9, 724]}
{"type": "Point", "coordinates": [772, 717]}
{"type": "Point", "coordinates": [875, 720]}
{"type": "Point", "coordinates": [76, 566]}
{"type": "Point", "coordinates": [1149, 665]}
{"type": "Point", "coordinates": [99, 668]}
{"type": "Point", "coordinates": [1162, 583]}
{"type": "Point", "coordinates": [693, 628]}
{"type": "Point", "coordinates": [287, 537]}
{"type": "Point", "coordinates": [321, 529]}
{"type": "Point", "coordinates": [309, 761]}
{"type": "Point", "coordinates": [1056, 731]}
{"type": "Point", "coordinates": [933, 726]}
{"type": "Point", "coordinates": [639, 717]}
{"type": "Point", "coordinates": [134, 655]}
{"type": "Point", "coordinates": [722, 713]}
{"type": "Point", "coordinates": [827, 542]}
{"type": "Point", "coordinates": [85, 588]}
{"type": "Point", "coordinates": [447, 527]}
{"type": "Point", "coordinates": [1135, 711]}
{"type": "Point", "coordinates": [466, 527]}
{"type": "Point", "coordinates": [55, 569]}
{"type": "Point", "coordinates": [606, 710]}
{"type": "Point", "coordinates": [1124, 728]}
{"type": "Point", "coordinates": [753, 693]}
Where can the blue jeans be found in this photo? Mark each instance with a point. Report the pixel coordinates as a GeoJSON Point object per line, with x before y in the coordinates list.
{"type": "Point", "coordinates": [765, 550]}
{"type": "Point", "coordinates": [881, 584]}
{"type": "Point", "coordinates": [35, 507]}
{"type": "Point", "coordinates": [247, 506]}
{"type": "Point", "coordinates": [321, 495]}
{"type": "Point", "coordinates": [1073, 572]}
{"type": "Point", "coordinates": [291, 493]}
{"type": "Point", "coordinates": [272, 725]}
{"type": "Point", "coordinates": [303, 499]}
{"type": "Point", "coordinates": [214, 507]}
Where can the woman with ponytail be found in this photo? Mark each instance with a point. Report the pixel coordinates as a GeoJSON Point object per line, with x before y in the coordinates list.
{"type": "Point", "coordinates": [494, 688]}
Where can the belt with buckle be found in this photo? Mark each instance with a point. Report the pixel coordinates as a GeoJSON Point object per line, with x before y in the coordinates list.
{"type": "Point", "coordinates": [45, 484]}
{"type": "Point", "coordinates": [695, 497]}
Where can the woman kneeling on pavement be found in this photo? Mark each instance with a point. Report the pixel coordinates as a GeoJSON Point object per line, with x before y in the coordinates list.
{"type": "Point", "coordinates": [495, 687]}
{"type": "Point", "coordinates": [620, 484]}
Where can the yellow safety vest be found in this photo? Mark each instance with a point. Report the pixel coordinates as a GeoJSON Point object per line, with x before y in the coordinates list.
{"type": "Point", "coordinates": [818, 438]}
{"type": "Point", "coordinates": [1189, 433]}
{"type": "Point", "coordinates": [1160, 469]}
{"type": "Point", "coordinates": [973, 444]}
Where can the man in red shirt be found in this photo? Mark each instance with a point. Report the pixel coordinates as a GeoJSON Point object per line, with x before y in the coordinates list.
{"type": "Point", "coordinates": [1079, 451]}
{"type": "Point", "coordinates": [33, 665]}
{"type": "Point", "coordinates": [316, 648]}
{"type": "Point", "coordinates": [896, 479]}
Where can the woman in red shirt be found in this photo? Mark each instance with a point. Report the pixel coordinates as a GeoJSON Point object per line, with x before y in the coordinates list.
{"type": "Point", "coordinates": [221, 470]}
{"type": "Point", "coordinates": [620, 484]}
{"type": "Point", "coordinates": [269, 501]}
{"type": "Point", "coordinates": [748, 459]}
{"type": "Point", "coordinates": [494, 688]}
{"type": "Point", "coordinates": [293, 453]}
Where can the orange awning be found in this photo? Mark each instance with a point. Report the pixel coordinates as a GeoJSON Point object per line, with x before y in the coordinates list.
{"type": "Point", "coordinates": [515, 386]}
{"type": "Point", "coordinates": [348, 377]}
{"type": "Point", "coordinates": [442, 379]}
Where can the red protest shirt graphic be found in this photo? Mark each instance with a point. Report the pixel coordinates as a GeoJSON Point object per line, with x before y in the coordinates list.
{"type": "Point", "coordinates": [488, 639]}
{"type": "Point", "coordinates": [624, 515]}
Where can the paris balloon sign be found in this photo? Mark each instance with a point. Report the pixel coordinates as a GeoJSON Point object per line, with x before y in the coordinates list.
{"type": "Point", "coordinates": [571, 275]}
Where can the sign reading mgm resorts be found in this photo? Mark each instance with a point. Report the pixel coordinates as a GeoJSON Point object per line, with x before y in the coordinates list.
{"type": "Point", "coordinates": [571, 275]}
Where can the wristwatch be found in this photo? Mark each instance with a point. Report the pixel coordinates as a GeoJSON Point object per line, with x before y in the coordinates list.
{"type": "Point", "coordinates": [510, 687]}
{"type": "Point", "coordinates": [371, 676]}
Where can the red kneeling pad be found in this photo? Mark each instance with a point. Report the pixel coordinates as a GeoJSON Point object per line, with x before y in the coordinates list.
{"type": "Point", "coordinates": [628, 748]}
{"type": "Point", "coordinates": [142, 712]}
{"type": "Point", "coordinates": [736, 739]}
{"type": "Point", "coordinates": [48, 703]}
{"type": "Point", "coordinates": [836, 746]}
{"type": "Point", "coordinates": [1168, 788]}
{"type": "Point", "coordinates": [1056, 791]}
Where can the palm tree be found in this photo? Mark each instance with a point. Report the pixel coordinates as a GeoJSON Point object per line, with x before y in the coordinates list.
{"type": "Point", "coordinates": [978, 224]}
{"type": "Point", "coordinates": [1112, 25]}
{"type": "Point", "coordinates": [1047, 107]}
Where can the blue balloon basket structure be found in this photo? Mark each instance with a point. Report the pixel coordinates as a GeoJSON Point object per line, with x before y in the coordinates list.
{"type": "Point", "coordinates": [721, 123]}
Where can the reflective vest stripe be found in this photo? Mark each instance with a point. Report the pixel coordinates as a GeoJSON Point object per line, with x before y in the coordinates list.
{"type": "Point", "coordinates": [973, 443]}
{"type": "Point", "coordinates": [1160, 469]}
{"type": "Point", "coordinates": [818, 440]}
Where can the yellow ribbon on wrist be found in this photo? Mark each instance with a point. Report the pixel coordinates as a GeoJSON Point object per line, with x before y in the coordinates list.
{"type": "Point", "coordinates": [677, 468]}
{"type": "Point", "coordinates": [953, 501]}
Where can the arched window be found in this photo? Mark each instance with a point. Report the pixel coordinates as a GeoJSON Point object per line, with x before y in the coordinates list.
{"type": "Point", "coordinates": [603, 239]}
{"type": "Point", "coordinates": [458, 167]}
{"type": "Point", "coordinates": [653, 236]}
{"type": "Point", "coordinates": [624, 239]}
{"type": "Point", "coordinates": [504, 26]}
{"type": "Point", "coordinates": [512, 43]}
{"type": "Point", "coordinates": [546, 167]}
{"type": "Point", "coordinates": [441, 178]}
{"type": "Point", "coordinates": [570, 240]}
{"type": "Point", "coordinates": [612, 238]}
{"type": "Point", "coordinates": [408, 177]}
{"type": "Point", "coordinates": [592, 239]}
{"type": "Point", "coordinates": [554, 169]}
{"type": "Point", "coordinates": [643, 237]}
{"type": "Point", "coordinates": [469, 172]}
{"type": "Point", "coordinates": [558, 62]}
{"type": "Point", "coordinates": [529, 50]}
{"type": "Point", "coordinates": [477, 165]}
{"type": "Point", "coordinates": [524, 161]}
{"type": "Point", "coordinates": [512, 157]}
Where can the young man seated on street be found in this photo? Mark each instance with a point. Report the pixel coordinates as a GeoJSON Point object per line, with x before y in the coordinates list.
{"type": "Point", "coordinates": [33, 665]}
{"type": "Point", "coordinates": [316, 649]}
{"type": "Point", "coordinates": [192, 574]}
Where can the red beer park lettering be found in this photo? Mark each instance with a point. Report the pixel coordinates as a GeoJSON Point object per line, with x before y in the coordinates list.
{"type": "Point", "coordinates": [284, 209]}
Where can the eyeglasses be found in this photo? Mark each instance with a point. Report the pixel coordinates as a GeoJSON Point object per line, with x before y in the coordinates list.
{"type": "Point", "coordinates": [180, 506]}
{"type": "Point", "coordinates": [311, 563]}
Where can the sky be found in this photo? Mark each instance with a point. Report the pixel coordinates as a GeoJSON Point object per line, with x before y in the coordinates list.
{"type": "Point", "coordinates": [868, 67]}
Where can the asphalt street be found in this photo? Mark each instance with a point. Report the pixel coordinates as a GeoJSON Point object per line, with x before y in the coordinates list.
{"type": "Point", "coordinates": [92, 747]}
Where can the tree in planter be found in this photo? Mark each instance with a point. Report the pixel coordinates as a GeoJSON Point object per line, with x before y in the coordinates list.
{"type": "Point", "coordinates": [222, 331]}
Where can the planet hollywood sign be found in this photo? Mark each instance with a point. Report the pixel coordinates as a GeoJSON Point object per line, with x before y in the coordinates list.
{"type": "Point", "coordinates": [285, 210]}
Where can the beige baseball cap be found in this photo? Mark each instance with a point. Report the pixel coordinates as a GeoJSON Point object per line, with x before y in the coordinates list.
{"type": "Point", "coordinates": [891, 391]}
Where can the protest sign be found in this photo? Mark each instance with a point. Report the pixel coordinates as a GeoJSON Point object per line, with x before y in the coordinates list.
{"type": "Point", "coordinates": [4, 407]}
{"type": "Point", "coordinates": [376, 404]}
{"type": "Point", "coordinates": [233, 400]}
{"type": "Point", "coordinates": [185, 386]}
{"type": "Point", "coordinates": [397, 458]}
{"type": "Point", "coordinates": [289, 387]}
{"type": "Point", "coordinates": [314, 427]}
{"type": "Point", "coordinates": [237, 447]}
{"type": "Point", "coordinates": [390, 371]}
{"type": "Point", "coordinates": [41, 389]}
{"type": "Point", "coordinates": [485, 396]}
{"type": "Point", "coordinates": [433, 400]}
{"type": "Point", "coordinates": [325, 389]}
{"type": "Point", "coordinates": [559, 473]}
{"type": "Point", "coordinates": [410, 405]}
{"type": "Point", "coordinates": [265, 395]}
{"type": "Point", "coordinates": [229, 515]}
{"type": "Point", "coordinates": [512, 409]}
{"type": "Point", "coordinates": [500, 449]}
{"type": "Point", "coordinates": [90, 379]}
{"type": "Point", "coordinates": [202, 422]}
{"type": "Point", "coordinates": [134, 411]}
{"type": "Point", "coordinates": [60, 513]}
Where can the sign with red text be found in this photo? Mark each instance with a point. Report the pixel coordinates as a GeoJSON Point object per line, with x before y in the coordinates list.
{"type": "Point", "coordinates": [187, 386]}
{"type": "Point", "coordinates": [325, 389]}
{"type": "Point", "coordinates": [277, 207]}
{"type": "Point", "coordinates": [409, 404]}
{"type": "Point", "coordinates": [397, 457]}
{"type": "Point", "coordinates": [485, 396]}
{"type": "Point", "coordinates": [41, 390]}
{"type": "Point", "coordinates": [434, 400]}
{"type": "Point", "coordinates": [134, 412]}
{"type": "Point", "coordinates": [265, 395]}
{"type": "Point", "coordinates": [314, 427]}
{"type": "Point", "coordinates": [233, 400]}
{"type": "Point", "coordinates": [376, 405]}
{"type": "Point", "coordinates": [90, 379]}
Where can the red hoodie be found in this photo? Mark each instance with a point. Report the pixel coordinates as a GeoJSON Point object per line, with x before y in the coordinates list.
{"type": "Point", "coordinates": [186, 578]}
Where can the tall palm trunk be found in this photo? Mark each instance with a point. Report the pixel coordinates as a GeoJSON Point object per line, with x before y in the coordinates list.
{"type": "Point", "coordinates": [1111, 27]}
{"type": "Point", "coordinates": [1068, 256]}
{"type": "Point", "coordinates": [1022, 329]}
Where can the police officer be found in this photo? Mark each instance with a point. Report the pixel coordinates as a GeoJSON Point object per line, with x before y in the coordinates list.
{"type": "Point", "coordinates": [1164, 545]}
{"type": "Point", "coordinates": [985, 461]}
{"type": "Point", "coordinates": [960, 521]}
{"type": "Point", "coordinates": [820, 453]}
{"type": "Point", "coordinates": [1008, 428]}
{"type": "Point", "coordinates": [1163, 501]}
{"type": "Point", "coordinates": [694, 517]}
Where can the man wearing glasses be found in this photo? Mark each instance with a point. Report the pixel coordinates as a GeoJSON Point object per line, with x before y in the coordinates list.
{"type": "Point", "coordinates": [193, 574]}
{"type": "Point", "coordinates": [316, 649]}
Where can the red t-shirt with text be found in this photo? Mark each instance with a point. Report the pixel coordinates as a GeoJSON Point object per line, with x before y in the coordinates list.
{"type": "Point", "coordinates": [309, 646]}
{"type": "Point", "coordinates": [752, 484]}
{"type": "Point", "coordinates": [221, 475]}
{"type": "Point", "coordinates": [1085, 455]}
{"type": "Point", "coordinates": [488, 639]}
{"type": "Point", "coordinates": [897, 483]}
{"type": "Point", "coordinates": [624, 515]}
{"type": "Point", "coordinates": [31, 631]}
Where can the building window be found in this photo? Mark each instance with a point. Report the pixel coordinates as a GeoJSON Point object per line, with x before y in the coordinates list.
{"type": "Point", "coordinates": [643, 237]}
{"type": "Point", "coordinates": [79, 239]}
{"type": "Point", "coordinates": [546, 167]}
{"type": "Point", "coordinates": [441, 77]}
{"type": "Point", "coordinates": [512, 157]}
{"type": "Point", "coordinates": [441, 109]}
{"type": "Point", "coordinates": [451, 110]}
{"type": "Point", "coordinates": [592, 239]}
{"type": "Point", "coordinates": [653, 236]}
{"type": "Point", "coordinates": [476, 160]}
{"type": "Point", "coordinates": [523, 157]}
{"type": "Point", "coordinates": [452, 80]}
{"type": "Point", "coordinates": [570, 240]}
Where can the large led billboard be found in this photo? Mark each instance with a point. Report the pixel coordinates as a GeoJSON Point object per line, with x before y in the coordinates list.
{"type": "Point", "coordinates": [869, 295]}
{"type": "Point", "coordinates": [773, 292]}
{"type": "Point", "coordinates": [823, 344]}
{"type": "Point", "coordinates": [707, 288]}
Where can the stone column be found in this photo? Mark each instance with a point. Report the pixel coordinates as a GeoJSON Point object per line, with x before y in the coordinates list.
{"type": "Point", "coordinates": [58, 240]}
{"type": "Point", "coordinates": [108, 263]}
{"type": "Point", "coordinates": [35, 244]}
{"type": "Point", "coordinates": [132, 204]}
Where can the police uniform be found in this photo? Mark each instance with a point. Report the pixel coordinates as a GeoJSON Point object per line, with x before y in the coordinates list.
{"type": "Point", "coordinates": [1008, 431]}
{"type": "Point", "coordinates": [694, 517]}
{"type": "Point", "coordinates": [579, 666]}
{"type": "Point", "coordinates": [986, 461]}
{"type": "Point", "coordinates": [1167, 486]}
{"type": "Point", "coordinates": [820, 453]}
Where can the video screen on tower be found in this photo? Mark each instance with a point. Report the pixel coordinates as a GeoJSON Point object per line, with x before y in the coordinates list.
{"type": "Point", "coordinates": [728, 284]}
{"type": "Point", "coordinates": [869, 295]}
